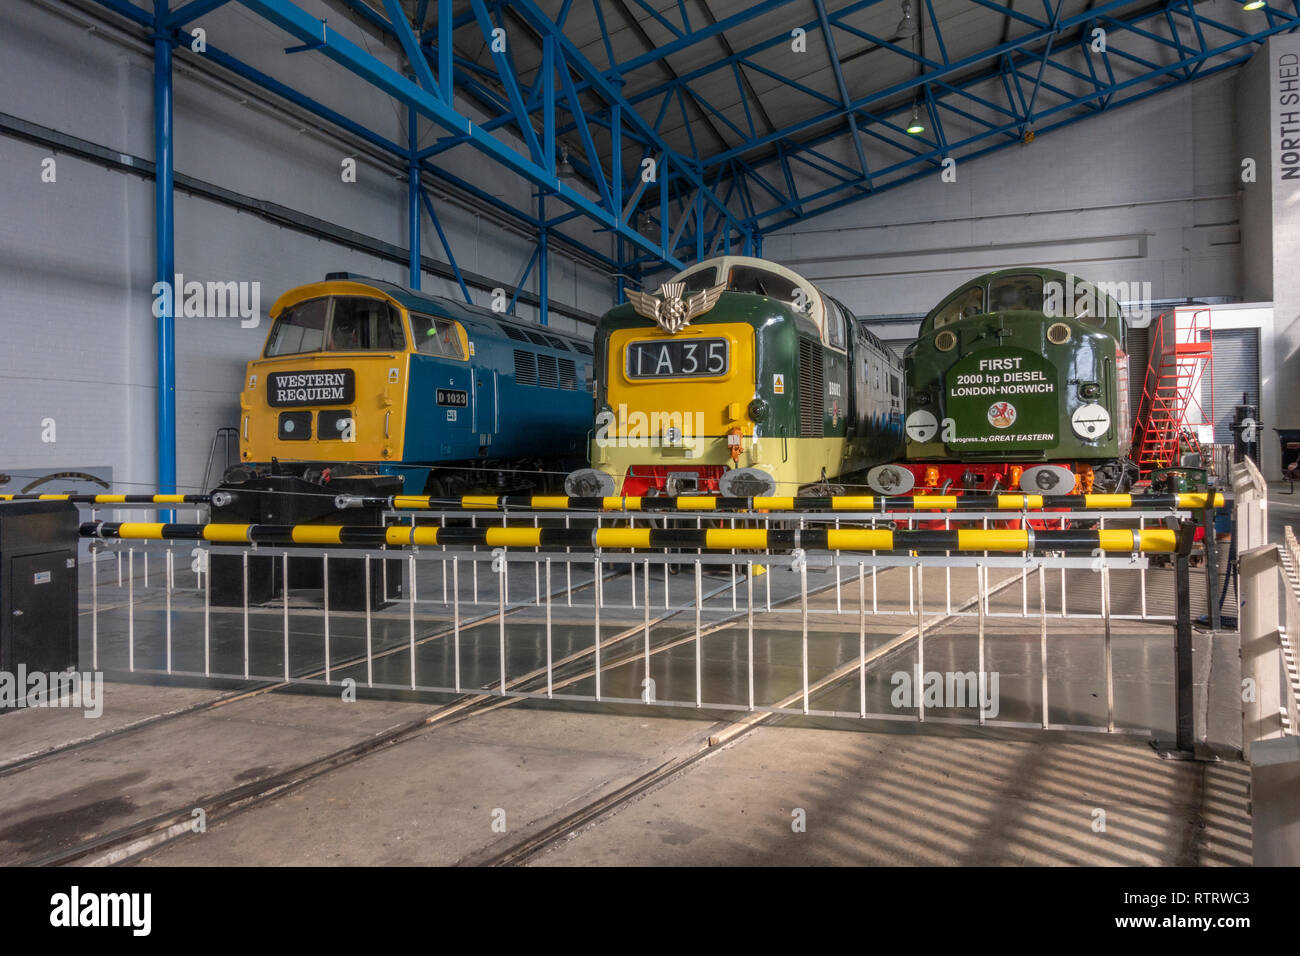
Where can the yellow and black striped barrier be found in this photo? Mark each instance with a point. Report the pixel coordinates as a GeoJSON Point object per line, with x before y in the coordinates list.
{"type": "Point", "coordinates": [115, 499]}
{"type": "Point", "coordinates": [855, 503]}
{"type": "Point", "coordinates": [1156, 540]}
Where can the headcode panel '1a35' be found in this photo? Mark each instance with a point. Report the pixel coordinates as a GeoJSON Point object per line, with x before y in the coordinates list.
{"type": "Point", "coordinates": [677, 358]}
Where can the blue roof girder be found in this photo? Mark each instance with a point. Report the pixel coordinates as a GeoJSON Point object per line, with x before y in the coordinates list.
{"type": "Point", "coordinates": [937, 70]}
{"type": "Point", "coordinates": [1294, 23]}
{"type": "Point", "coordinates": [295, 21]}
{"type": "Point", "coordinates": [1092, 101]}
{"type": "Point", "coordinates": [192, 11]}
{"type": "Point", "coordinates": [602, 85]}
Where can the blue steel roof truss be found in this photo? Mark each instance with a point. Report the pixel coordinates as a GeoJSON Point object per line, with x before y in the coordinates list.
{"type": "Point", "coordinates": [746, 176]}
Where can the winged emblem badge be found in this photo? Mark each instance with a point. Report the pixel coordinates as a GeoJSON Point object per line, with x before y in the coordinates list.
{"type": "Point", "coordinates": [669, 309]}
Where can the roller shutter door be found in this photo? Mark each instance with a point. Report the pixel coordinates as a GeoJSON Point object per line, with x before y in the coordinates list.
{"type": "Point", "coordinates": [1236, 371]}
{"type": "Point", "coordinates": [1138, 342]}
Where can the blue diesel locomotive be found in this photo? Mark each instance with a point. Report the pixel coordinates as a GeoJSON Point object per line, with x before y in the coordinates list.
{"type": "Point", "coordinates": [360, 376]}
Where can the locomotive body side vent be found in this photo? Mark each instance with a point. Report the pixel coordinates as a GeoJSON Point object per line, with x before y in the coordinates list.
{"type": "Point", "coordinates": [525, 368]}
{"type": "Point", "coordinates": [812, 417]}
{"type": "Point", "coordinates": [547, 376]}
{"type": "Point", "coordinates": [568, 374]}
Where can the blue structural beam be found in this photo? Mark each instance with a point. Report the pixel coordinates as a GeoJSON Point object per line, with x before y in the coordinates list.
{"type": "Point", "coordinates": [165, 253]}
{"type": "Point", "coordinates": [327, 42]}
{"type": "Point", "coordinates": [1027, 66]}
{"type": "Point", "coordinates": [716, 193]}
{"type": "Point", "coordinates": [191, 12]}
{"type": "Point", "coordinates": [413, 194]}
{"type": "Point", "coordinates": [577, 75]}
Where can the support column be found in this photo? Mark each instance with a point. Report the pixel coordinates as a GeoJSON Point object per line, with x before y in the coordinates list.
{"type": "Point", "coordinates": [543, 268]}
{"type": "Point", "coordinates": [413, 196]}
{"type": "Point", "coordinates": [621, 280]}
{"type": "Point", "coordinates": [165, 250]}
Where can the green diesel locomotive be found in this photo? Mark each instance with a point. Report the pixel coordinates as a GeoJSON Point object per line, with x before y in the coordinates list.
{"type": "Point", "coordinates": [1017, 381]}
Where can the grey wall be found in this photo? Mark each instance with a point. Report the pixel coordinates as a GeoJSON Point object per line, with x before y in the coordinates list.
{"type": "Point", "coordinates": [1253, 134]}
{"type": "Point", "coordinates": [1145, 193]}
{"type": "Point", "coordinates": [77, 255]}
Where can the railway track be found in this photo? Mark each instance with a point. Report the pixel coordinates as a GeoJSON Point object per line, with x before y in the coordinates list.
{"type": "Point", "coordinates": [149, 835]}
{"type": "Point", "coordinates": [134, 839]}
{"type": "Point", "coordinates": [723, 734]}
{"type": "Point", "coordinates": [17, 764]}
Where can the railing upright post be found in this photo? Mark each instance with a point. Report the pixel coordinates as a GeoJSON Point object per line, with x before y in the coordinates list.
{"type": "Point", "coordinates": [1211, 562]}
{"type": "Point", "coordinates": [1262, 662]}
{"type": "Point", "coordinates": [284, 564]}
{"type": "Point", "coordinates": [130, 614]}
{"type": "Point", "coordinates": [1185, 686]}
{"type": "Point", "coordinates": [325, 601]}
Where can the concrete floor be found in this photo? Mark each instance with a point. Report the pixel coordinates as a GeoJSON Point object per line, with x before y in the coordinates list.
{"type": "Point", "coordinates": [894, 799]}
{"type": "Point", "coordinates": [867, 797]}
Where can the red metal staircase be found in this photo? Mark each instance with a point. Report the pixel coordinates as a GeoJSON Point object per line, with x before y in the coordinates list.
{"type": "Point", "coordinates": [1171, 407]}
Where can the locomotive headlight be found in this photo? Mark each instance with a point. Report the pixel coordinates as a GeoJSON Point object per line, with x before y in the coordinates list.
{"type": "Point", "coordinates": [1058, 333]}
{"type": "Point", "coordinates": [758, 410]}
{"type": "Point", "coordinates": [923, 398]}
{"type": "Point", "coordinates": [1091, 390]}
{"type": "Point", "coordinates": [1090, 422]}
{"type": "Point", "coordinates": [945, 341]}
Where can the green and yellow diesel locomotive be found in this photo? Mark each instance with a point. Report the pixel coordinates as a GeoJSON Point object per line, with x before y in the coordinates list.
{"type": "Point", "coordinates": [742, 378]}
{"type": "Point", "coordinates": [1017, 381]}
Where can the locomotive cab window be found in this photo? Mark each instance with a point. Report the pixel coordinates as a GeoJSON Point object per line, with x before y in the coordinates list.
{"type": "Point", "coordinates": [700, 279]}
{"type": "Point", "coordinates": [1011, 293]}
{"type": "Point", "coordinates": [336, 324]}
{"type": "Point", "coordinates": [969, 303]}
{"type": "Point", "coordinates": [753, 281]}
{"type": "Point", "coordinates": [835, 323]}
{"type": "Point", "coordinates": [436, 336]}
{"type": "Point", "coordinates": [365, 324]}
{"type": "Point", "coordinates": [300, 328]}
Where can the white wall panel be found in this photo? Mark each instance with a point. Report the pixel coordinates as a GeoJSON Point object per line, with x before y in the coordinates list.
{"type": "Point", "coordinates": [77, 256]}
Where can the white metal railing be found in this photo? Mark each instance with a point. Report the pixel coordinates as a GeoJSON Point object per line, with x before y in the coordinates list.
{"type": "Point", "coordinates": [556, 590]}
